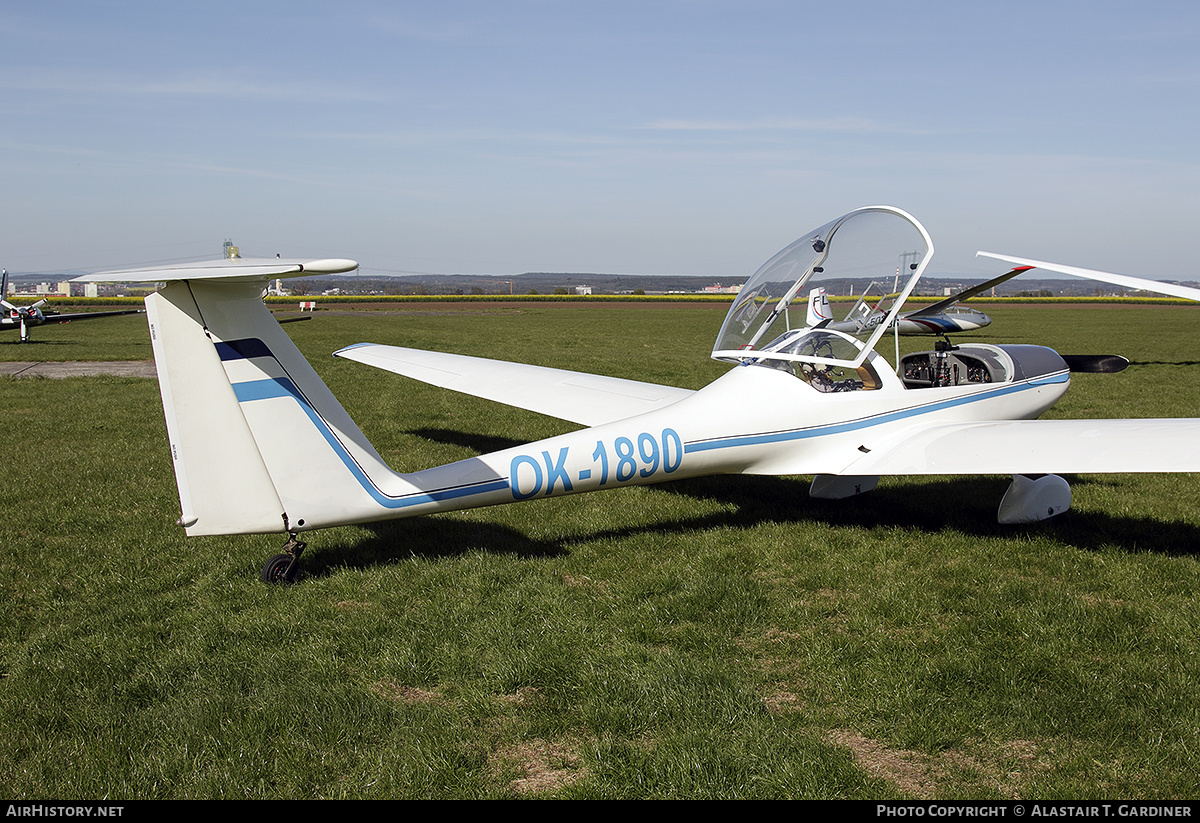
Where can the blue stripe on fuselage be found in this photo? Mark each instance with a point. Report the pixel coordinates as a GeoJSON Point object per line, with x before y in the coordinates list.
{"type": "Point", "coordinates": [276, 387]}
{"type": "Point", "coordinates": [271, 388]}
{"type": "Point", "coordinates": [867, 422]}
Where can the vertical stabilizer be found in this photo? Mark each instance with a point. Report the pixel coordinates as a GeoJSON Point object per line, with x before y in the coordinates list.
{"type": "Point", "coordinates": [259, 444]}
{"type": "Point", "coordinates": [224, 487]}
{"type": "Point", "coordinates": [818, 308]}
{"type": "Point", "coordinates": [323, 469]}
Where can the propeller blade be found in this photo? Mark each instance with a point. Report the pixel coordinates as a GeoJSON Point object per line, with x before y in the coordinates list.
{"type": "Point", "coordinates": [1095, 363]}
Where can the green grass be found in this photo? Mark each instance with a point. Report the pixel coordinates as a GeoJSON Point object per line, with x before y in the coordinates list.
{"type": "Point", "coordinates": [719, 637]}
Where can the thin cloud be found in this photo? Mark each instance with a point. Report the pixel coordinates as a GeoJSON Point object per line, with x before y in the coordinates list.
{"type": "Point", "coordinates": [207, 84]}
{"type": "Point", "coordinates": [837, 124]}
{"type": "Point", "coordinates": [156, 163]}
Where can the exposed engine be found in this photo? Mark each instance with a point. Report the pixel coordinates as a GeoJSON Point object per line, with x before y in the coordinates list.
{"type": "Point", "coordinates": [950, 365]}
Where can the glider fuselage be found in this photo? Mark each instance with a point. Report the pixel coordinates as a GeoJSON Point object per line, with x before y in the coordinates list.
{"type": "Point", "coordinates": [755, 419]}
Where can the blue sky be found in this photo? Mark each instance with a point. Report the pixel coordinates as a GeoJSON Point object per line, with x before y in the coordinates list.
{"type": "Point", "coordinates": [684, 136]}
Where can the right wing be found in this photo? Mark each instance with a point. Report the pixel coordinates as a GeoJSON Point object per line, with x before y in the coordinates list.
{"type": "Point", "coordinates": [942, 305]}
{"type": "Point", "coordinates": [589, 399]}
{"type": "Point", "coordinates": [1037, 447]}
{"type": "Point", "coordinates": [1139, 283]}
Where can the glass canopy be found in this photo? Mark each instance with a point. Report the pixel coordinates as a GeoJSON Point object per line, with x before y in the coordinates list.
{"type": "Point", "coordinates": [873, 244]}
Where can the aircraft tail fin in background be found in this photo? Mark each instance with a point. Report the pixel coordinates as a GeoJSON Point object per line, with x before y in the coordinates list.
{"type": "Point", "coordinates": [258, 441]}
{"type": "Point", "coordinates": [819, 310]}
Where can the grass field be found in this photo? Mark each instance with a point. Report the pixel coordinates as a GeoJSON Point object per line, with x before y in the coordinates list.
{"type": "Point", "coordinates": [716, 638]}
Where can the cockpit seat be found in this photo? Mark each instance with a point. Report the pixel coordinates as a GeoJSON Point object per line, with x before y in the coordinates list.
{"type": "Point", "coordinates": [870, 380]}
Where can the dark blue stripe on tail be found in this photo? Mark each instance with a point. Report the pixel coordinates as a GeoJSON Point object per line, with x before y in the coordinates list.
{"type": "Point", "coordinates": [243, 349]}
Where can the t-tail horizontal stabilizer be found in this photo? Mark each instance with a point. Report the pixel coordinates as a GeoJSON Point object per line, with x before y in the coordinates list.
{"type": "Point", "coordinates": [248, 269]}
{"type": "Point", "coordinates": [259, 443]}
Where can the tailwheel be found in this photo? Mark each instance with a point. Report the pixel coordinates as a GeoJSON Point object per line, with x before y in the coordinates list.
{"type": "Point", "coordinates": [284, 569]}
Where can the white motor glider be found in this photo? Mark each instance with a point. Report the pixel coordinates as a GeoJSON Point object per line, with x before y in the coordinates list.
{"type": "Point", "coordinates": [873, 308]}
{"type": "Point", "coordinates": [241, 403]}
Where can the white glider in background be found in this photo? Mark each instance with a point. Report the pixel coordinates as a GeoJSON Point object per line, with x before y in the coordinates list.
{"type": "Point", "coordinates": [260, 444]}
{"type": "Point", "coordinates": [944, 317]}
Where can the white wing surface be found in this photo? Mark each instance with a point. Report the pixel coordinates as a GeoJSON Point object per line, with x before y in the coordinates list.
{"type": "Point", "coordinates": [1125, 280]}
{"type": "Point", "coordinates": [588, 399]}
{"type": "Point", "coordinates": [1038, 447]}
{"type": "Point", "coordinates": [228, 269]}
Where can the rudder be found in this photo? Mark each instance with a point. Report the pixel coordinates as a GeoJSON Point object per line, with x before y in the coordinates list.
{"type": "Point", "coordinates": [258, 442]}
{"type": "Point", "coordinates": [224, 486]}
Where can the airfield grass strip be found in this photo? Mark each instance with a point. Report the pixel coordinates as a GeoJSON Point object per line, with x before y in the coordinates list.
{"type": "Point", "coordinates": [320, 301]}
{"type": "Point", "coordinates": [710, 638]}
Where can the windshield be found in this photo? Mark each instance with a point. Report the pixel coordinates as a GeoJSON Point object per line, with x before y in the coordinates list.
{"type": "Point", "coordinates": [878, 244]}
